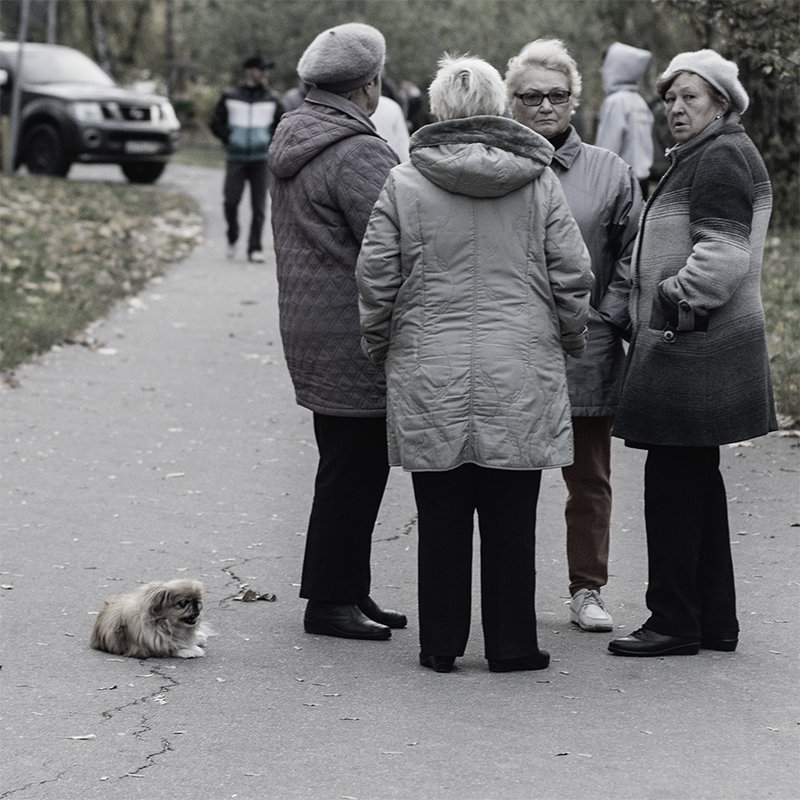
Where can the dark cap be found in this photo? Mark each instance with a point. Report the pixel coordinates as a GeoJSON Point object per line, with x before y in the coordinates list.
{"type": "Point", "coordinates": [257, 62]}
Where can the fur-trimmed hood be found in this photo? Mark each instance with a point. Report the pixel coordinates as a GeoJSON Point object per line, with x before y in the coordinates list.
{"type": "Point", "coordinates": [482, 156]}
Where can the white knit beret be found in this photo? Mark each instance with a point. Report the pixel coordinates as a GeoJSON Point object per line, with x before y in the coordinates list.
{"type": "Point", "coordinates": [343, 58]}
{"type": "Point", "coordinates": [722, 74]}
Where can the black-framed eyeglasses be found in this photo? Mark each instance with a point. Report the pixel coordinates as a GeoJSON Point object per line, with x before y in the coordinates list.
{"type": "Point", "coordinates": [556, 98]}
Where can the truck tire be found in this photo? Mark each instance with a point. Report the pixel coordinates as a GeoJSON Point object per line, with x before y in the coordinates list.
{"type": "Point", "coordinates": [43, 152]}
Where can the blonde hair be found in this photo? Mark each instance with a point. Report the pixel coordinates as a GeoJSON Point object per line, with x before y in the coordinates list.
{"type": "Point", "coordinates": [548, 54]}
{"type": "Point", "coordinates": [466, 87]}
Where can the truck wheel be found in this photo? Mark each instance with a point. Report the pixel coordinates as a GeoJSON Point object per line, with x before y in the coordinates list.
{"type": "Point", "coordinates": [43, 152]}
{"type": "Point", "coordinates": [143, 171]}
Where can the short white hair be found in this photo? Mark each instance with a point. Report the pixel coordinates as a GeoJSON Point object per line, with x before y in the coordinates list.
{"type": "Point", "coordinates": [466, 87]}
{"type": "Point", "coordinates": [548, 54]}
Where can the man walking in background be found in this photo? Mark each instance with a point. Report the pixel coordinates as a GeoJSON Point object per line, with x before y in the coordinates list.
{"type": "Point", "coordinates": [245, 119]}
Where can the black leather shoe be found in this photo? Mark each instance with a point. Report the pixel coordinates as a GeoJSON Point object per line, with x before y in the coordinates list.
{"type": "Point", "coordinates": [539, 660]}
{"type": "Point", "coordinates": [392, 619]}
{"type": "Point", "coordinates": [437, 663]}
{"type": "Point", "coordinates": [725, 644]}
{"type": "Point", "coordinates": [346, 622]}
{"type": "Point", "coordinates": [645, 642]}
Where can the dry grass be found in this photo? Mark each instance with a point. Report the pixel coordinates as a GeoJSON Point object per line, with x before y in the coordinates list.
{"type": "Point", "coordinates": [70, 250]}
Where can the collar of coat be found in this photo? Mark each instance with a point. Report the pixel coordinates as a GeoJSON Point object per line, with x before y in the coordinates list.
{"type": "Point", "coordinates": [492, 131]}
{"type": "Point", "coordinates": [319, 97]}
{"type": "Point", "coordinates": [729, 124]}
{"type": "Point", "coordinates": [570, 150]}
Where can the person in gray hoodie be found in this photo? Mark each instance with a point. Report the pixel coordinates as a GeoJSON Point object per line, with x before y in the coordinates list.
{"type": "Point", "coordinates": [625, 121]}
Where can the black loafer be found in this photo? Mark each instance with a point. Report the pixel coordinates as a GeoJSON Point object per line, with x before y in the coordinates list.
{"type": "Point", "coordinates": [385, 616]}
{"type": "Point", "coordinates": [346, 622]}
{"type": "Point", "coordinates": [539, 660]}
{"type": "Point", "coordinates": [437, 663]}
{"type": "Point", "coordinates": [725, 644]}
{"type": "Point", "coordinates": [645, 642]}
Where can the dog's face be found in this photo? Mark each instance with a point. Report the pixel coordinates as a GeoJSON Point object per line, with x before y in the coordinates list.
{"type": "Point", "coordinates": [178, 602]}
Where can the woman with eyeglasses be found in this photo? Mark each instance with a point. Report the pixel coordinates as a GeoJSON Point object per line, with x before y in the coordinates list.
{"type": "Point", "coordinates": [544, 88]}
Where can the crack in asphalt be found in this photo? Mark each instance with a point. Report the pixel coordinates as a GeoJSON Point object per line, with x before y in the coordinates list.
{"type": "Point", "coordinates": [404, 531]}
{"type": "Point", "coordinates": [12, 792]}
{"type": "Point", "coordinates": [167, 684]}
{"type": "Point", "coordinates": [166, 747]}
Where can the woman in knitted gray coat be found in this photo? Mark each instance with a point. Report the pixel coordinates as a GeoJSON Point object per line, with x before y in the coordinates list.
{"type": "Point", "coordinates": [697, 373]}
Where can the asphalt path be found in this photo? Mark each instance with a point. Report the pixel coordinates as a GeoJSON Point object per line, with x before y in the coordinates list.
{"type": "Point", "coordinates": [170, 446]}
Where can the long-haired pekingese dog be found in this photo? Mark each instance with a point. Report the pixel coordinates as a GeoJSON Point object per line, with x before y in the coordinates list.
{"type": "Point", "coordinates": [157, 620]}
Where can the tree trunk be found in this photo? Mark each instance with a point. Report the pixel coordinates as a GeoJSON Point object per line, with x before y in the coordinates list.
{"type": "Point", "coordinates": [102, 53]}
{"type": "Point", "coordinates": [169, 49]}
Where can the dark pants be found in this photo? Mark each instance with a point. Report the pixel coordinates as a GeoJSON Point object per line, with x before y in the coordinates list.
{"type": "Point", "coordinates": [237, 174]}
{"type": "Point", "coordinates": [690, 586]}
{"type": "Point", "coordinates": [351, 478]}
{"type": "Point", "coordinates": [588, 508]}
{"type": "Point", "coordinates": [506, 504]}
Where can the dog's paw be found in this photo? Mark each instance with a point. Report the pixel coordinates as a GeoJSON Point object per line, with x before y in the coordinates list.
{"type": "Point", "coordinates": [191, 652]}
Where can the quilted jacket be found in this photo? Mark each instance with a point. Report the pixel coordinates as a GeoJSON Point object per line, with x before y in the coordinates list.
{"type": "Point", "coordinates": [473, 282]}
{"type": "Point", "coordinates": [606, 203]}
{"type": "Point", "coordinates": [697, 373]}
{"type": "Point", "coordinates": [329, 165]}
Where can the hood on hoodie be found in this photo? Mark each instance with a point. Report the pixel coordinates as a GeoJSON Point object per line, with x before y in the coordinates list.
{"type": "Point", "coordinates": [623, 66]}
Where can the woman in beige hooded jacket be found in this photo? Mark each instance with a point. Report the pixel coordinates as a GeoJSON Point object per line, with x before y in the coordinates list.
{"type": "Point", "coordinates": [473, 286]}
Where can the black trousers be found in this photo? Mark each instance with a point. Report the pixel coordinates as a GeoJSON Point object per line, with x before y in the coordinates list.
{"type": "Point", "coordinates": [351, 478]}
{"type": "Point", "coordinates": [237, 174]}
{"type": "Point", "coordinates": [506, 504]}
{"type": "Point", "coordinates": [690, 585]}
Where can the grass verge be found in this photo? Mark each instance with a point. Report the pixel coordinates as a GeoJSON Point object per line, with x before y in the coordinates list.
{"type": "Point", "coordinates": [780, 292]}
{"type": "Point", "coordinates": [70, 250]}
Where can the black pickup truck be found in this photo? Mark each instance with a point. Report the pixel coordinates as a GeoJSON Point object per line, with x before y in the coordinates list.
{"type": "Point", "coordinates": [70, 110]}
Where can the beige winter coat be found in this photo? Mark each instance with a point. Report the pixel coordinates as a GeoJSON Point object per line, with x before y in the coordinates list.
{"type": "Point", "coordinates": [473, 284]}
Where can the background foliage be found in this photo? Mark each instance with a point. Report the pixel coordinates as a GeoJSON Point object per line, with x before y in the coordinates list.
{"type": "Point", "coordinates": [192, 48]}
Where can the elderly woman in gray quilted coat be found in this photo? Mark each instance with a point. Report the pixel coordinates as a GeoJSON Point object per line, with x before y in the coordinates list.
{"type": "Point", "coordinates": [473, 285]}
{"type": "Point", "coordinates": [698, 373]}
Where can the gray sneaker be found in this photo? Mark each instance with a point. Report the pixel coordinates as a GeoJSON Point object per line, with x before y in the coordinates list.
{"type": "Point", "coordinates": [588, 612]}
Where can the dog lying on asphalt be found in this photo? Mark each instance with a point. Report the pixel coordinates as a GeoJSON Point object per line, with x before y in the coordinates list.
{"type": "Point", "coordinates": [158, 620]}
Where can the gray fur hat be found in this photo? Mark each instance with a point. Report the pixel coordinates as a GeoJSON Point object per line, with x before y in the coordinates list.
{"type": "Point", "coordinates": [722, 74]}
{"type": "Point", "coordinates": [343, 58]}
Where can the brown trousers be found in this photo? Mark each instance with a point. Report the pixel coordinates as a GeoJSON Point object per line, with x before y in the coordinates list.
{"type": "Point", "coordinates": [588, 509]}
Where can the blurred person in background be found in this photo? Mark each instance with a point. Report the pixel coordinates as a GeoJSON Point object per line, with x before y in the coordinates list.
{"type": "Point", "coordinates": [625, 121]}
{"type": "Point", "coordinates": [245, 119]}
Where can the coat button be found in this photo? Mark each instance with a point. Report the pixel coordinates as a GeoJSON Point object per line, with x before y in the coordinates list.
{"type": "Point", "coordinates": [668, 336]}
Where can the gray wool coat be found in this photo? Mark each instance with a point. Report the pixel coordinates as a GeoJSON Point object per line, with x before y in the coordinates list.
{"type": "Point", "coordinates": [697, 372]}
{"type": "Point", "coordinates": [473, 283]}
{"type": "Point", "coordinates": [329, 165]}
